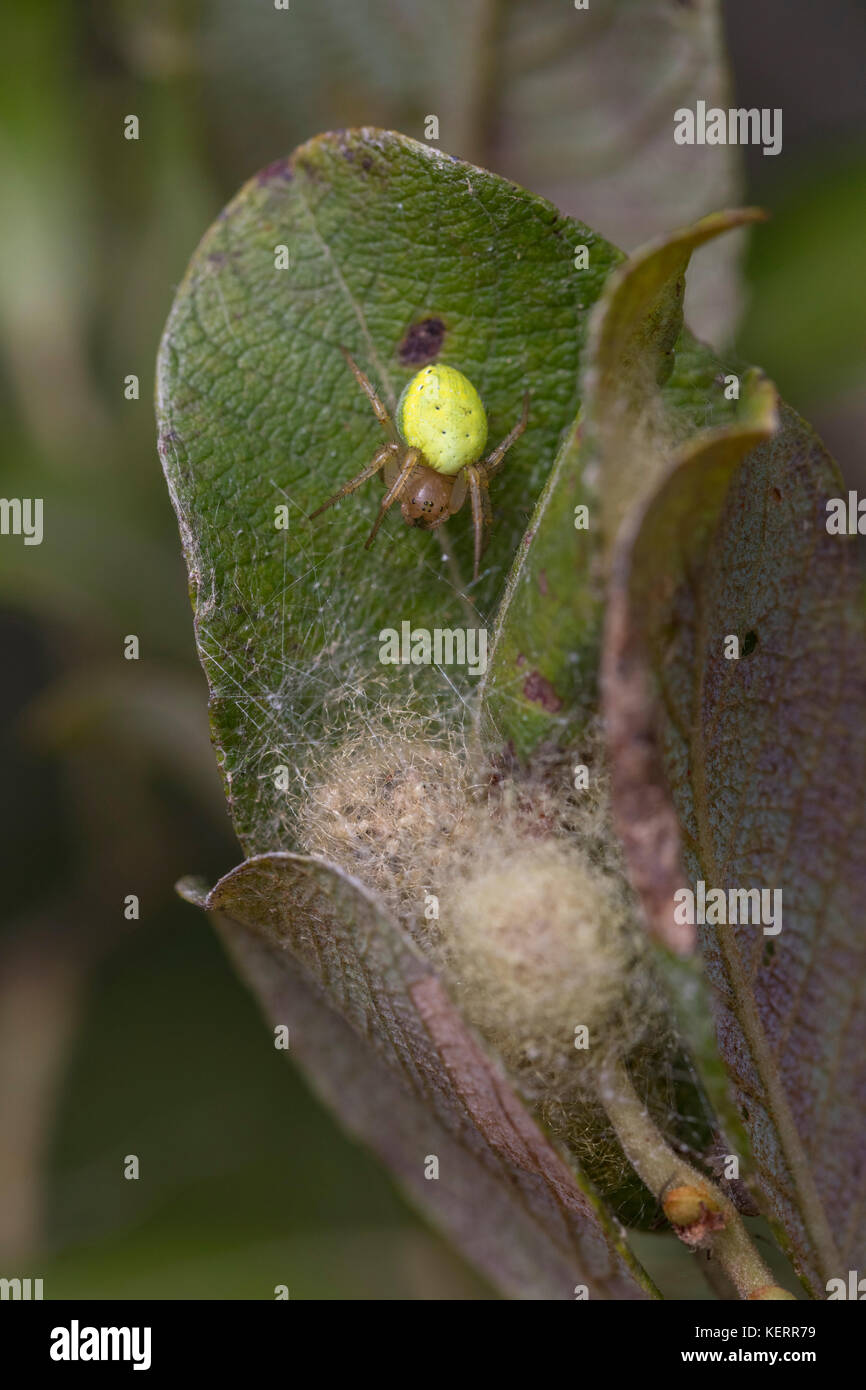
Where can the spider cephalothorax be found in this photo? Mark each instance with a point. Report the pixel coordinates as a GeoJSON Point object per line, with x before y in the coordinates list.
{"type": "Point", "coordinates": [433, 458]}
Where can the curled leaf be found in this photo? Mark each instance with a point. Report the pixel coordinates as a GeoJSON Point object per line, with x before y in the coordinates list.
{"type": "Point", "coordinates": [672, 531]}
{"type": "Point", "coordinates": [374, 1028]}
{"type": "Point", "coordinates": [630, 355]}
{"type": "Point", "coordinates": [734, 678]}
{"type": "Point", "coordinates": [402, 255]}
{"type": "Point", "coordinates": [541, 682]}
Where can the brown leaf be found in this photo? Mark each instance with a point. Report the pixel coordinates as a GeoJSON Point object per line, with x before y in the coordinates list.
{"type": "Point", "coordinates": [373, 1027]}
{"type": "Point", "coordinates": [660, 542]}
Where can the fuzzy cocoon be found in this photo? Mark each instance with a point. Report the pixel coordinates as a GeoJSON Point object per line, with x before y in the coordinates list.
{"type": "Point", "coordinates": [540, 943]}
{"type": "Point", "coordinates": [388, 809]}
{"type": "Point", "coordinates": [536, 934]}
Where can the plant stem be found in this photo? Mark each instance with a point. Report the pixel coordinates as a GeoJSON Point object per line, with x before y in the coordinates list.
{"type": "Point", "coordinates": [660, 1168]}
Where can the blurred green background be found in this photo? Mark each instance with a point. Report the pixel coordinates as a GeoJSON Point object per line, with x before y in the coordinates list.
{"type": "Point", "coordinates": [121, 1037]}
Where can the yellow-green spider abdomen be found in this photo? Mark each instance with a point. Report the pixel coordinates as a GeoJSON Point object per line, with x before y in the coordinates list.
{"type": "Point", "coordinates": [441, 413]}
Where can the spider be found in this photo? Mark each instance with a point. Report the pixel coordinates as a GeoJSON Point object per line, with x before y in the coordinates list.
{"type": "Point", "coordinates": [432, 460]}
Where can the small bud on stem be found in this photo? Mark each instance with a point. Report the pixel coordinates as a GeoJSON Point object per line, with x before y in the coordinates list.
{"type": "Point", "coordinates": [715, 1218]}
{"type": "Point", "coordinates": [693, 1211]}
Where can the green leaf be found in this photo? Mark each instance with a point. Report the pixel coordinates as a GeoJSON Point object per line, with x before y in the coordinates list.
{"type": "Point", "coordinates": [257, 408]}
{"type": "Point", "coordinates": [635, 330]}
{"type": "Point", "coordinates": [541, 685]}
{"type": "Point", "coordinates": [374, 1028]}
{"type": "Point", "coordinates": [575, 104]}
{"type": "Point", "coordinates": [762, 758]}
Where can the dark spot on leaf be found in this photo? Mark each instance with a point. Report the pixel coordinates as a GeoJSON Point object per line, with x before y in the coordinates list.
{"type": "Point", "coordinates": [165, 439]}
{"type": "Point", "coordinates": [422, 343]}
{"type": "Point", "coordinates": [750, 642]}
{"type": "Point", "coordinates": [280, 169]}
{"type": "Point", "coordinates": [366, 162]}
{"type": "Point", "coordinates": [538, 689]}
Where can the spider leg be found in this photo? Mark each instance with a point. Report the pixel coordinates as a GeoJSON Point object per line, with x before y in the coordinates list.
{"type": "Point", "coordinates": [369, 390]}
{"type": "Point", "coordinates": [485, 502]}
{"type": "Point", "coordinates": [377, 462]}
{"type": "Point", "coordinates": [407, 468]}
{"type": "Point", "coordinates": [492, 464]}
{"type": "Point", "coordinates": [480, 511]}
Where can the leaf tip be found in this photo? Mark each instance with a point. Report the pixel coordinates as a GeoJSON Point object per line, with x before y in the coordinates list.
{"type": "Point", "coordinates": [193, 889]}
